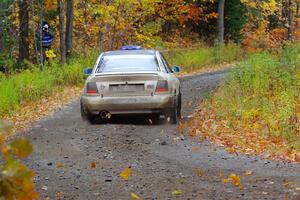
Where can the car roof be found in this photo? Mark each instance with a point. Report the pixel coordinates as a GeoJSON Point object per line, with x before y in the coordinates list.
{"type": "Point", "coordinates": [129, 52]}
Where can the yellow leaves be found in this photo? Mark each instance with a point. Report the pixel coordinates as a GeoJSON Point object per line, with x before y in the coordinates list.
{"type": "Point", "coordinates": [234, 179]}
{"type": "Point", "coordinates": [230, 150]}
{"type": "Point", "coordinates": [266, 8]}
{"type": "Point", "coordinates": [213, 15]}
{"type": "Point", "coordinates": [50, 54]}
{"type": "Point", "coordinates": [177, 192]}
{"type": "Point", "coordinates": [134, 196]}
{"type": "Point", "coordinates": [125, 175]}
{"type": "Point", "coordinates": [21, 148]}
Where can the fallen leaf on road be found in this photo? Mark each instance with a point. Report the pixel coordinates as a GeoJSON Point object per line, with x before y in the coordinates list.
{"type": "Point", "coordinates": [134, 196]}
{"type": "Point", "coordinates": [199, 172]}
{"type": "Point", "coordinates": [177, 192]}
{"type": "Point", "coordinates": [59, 165]}
{"type": "Point", "coordinates": [297, 189]}
{"type": "Point", "coordinates": [195, 149]}
{"type": "Point", "coordinates": [126, 174]}
{"type": "Point", "coordinates": [248, 173]}
{"type": "Point", "coordinates": [93, 165]}
{"type": "Point", "coordinates": [234, 179]}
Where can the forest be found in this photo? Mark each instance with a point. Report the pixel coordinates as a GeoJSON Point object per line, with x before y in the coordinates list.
{"type": "Point", "coordinates": [78, 26]}
{"type": "Point", "coordinates": [46, 44]}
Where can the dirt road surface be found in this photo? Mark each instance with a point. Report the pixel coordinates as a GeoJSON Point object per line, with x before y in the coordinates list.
{"type": "Point", "coordinates": [161, 161]}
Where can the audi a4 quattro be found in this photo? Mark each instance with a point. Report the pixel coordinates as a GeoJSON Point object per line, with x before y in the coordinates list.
{"type": "Point", "coordinates": [131, 81]}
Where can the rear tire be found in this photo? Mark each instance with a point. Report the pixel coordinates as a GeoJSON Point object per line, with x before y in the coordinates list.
{"type": "Point", "coordinates": [90, 118]}
{"type": "Point", "coordinates": [173, 115]}
{"type": "Point", "coordinates": [179, 106]}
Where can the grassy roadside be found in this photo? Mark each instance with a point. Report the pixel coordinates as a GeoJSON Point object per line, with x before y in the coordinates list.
{"type": "Point", "coordinates": [32, 85]}
{"type": "Point", "coordinates": [204, 58]}
{"type": "Point", "coordinates": [27, 87]}
{"type": "Point", "coordinates": [257, 110]}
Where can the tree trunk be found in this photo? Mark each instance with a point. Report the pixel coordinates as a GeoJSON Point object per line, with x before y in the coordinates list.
{"type": "Point", "coordinates": [24, 30]}
{"type": "Point", "coordinates": [69, 27]}
{"type": "Point", "coordinates": [40, 45]}
{"type": "Point", "coordinates": [221, 6]}
{"type": "Point", "coordinates": [1, 28]}
{"type": "Point", "coordinates": [290, 20]}
{"type": "Point", "coordinates": [297, 14]}
{"type": "Point", "coordinates": [62, 32]}
{"type": "Point", "coordinates": [1, 39]}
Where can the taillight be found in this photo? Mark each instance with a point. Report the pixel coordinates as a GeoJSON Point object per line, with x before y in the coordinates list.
{"type": "Point", "coordinates": [91, 88]}
{"type": "Point", "coordinates": [162, 86]}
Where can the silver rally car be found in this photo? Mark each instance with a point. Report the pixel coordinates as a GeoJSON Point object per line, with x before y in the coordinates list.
{"type": "Point", "coordinates": [131, 81]}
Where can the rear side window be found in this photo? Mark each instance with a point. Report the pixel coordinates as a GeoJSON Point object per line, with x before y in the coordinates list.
{"type": "Point", "coordinates": [127, 63]}
{"type": "Point", "coordinates": [165, 63]}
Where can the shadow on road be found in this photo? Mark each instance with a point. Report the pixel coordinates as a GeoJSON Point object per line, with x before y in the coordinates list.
{"type": "Point", "coordinates": [139, 120]}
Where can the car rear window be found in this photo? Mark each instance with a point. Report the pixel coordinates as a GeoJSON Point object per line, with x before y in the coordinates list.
{"type": "Point", "coordinates": [127, 63]}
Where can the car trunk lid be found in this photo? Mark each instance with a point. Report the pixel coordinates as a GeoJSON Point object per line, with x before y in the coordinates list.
{"type": "Point", "coordinates": [126, 84]}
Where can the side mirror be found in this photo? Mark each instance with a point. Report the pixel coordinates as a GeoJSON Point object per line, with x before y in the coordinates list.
{"type": "Point", "coordinates": [176, 69]}
{"type": "Point", "coordinates": [88, 71]}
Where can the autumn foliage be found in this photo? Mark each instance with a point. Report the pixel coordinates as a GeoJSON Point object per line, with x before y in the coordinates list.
{"type": "Point", "coordinates": [16, 180]}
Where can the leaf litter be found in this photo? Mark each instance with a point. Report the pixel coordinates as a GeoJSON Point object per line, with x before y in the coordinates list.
{"type": "Point", "coordinates": [34, 111]}
{"type": "Point", "coordinates": [236, 136]}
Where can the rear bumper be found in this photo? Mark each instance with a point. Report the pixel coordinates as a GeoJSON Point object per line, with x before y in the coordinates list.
{"type": "Point", "coordinates": [128, 105]}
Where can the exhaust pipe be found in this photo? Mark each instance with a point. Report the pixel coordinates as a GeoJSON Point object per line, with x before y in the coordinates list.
{"type": "Point", "coordinates": [105, 115]}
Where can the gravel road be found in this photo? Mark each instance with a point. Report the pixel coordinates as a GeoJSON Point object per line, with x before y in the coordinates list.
{"type": "Point", "coordinates": [161, 161]}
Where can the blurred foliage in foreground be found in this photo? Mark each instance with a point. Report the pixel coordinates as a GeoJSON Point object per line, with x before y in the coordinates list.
{"type": "Point", "coordinates": [16, 180]}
